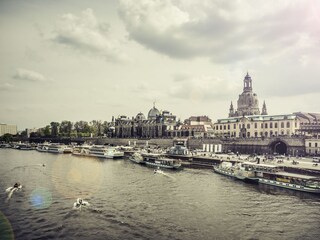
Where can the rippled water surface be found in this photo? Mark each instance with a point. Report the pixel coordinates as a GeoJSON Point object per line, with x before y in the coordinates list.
{"type": "Point", "coordinates": [128, 201]}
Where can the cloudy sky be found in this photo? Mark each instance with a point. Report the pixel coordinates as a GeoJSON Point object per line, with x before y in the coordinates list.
{"type": "Point", "coordinates": [85, 60]}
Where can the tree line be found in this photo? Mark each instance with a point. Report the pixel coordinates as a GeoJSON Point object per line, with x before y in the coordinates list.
{"type": "Point", "coordinates": [65, 128]}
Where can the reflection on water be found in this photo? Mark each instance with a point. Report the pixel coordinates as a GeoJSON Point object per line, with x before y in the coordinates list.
{"type": "Point", "coordinates": [129, 201]}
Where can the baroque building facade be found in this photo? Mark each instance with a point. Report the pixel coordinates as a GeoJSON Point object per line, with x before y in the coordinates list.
{"type": "Point", "coordinates": [161, 124]}
{"type": "Point", "coordinates": [257, 126]}
{"type": "Point", "coordinates": [156, 125]}
{"type": "Point", "coordinates": [247, 122]}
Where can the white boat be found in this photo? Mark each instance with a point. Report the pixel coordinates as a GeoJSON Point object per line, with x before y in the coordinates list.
{"type": "Point", "coordinates": [225, 168]}
{"type": "Point", "coordinates": [5, 145]}
{"type": "Point", "coordinates": [275, 176]}
{"type": "Point", "coordinates": [82, 150]}
{"type": "Point", "coordinates": [270, 175]}
{"type": "Point", "coordinates": [105, 152]}
{"type": "Point", "coordinates": [67, 149]}
{"type": "Point", "coordinates": [137, 158]}
{"type": "Point", "coordinates": [43, 147]}
{"type": "Point", "coordinates": [239, 171]}
{"type": "Point", "coordinates": [25, 147]}
{"type": "Point", "coordinates": [158, 170]}
{"type": "Point", "coordinates": [57, 148]}
{"type": "Point", "coordinates": [159, 160]}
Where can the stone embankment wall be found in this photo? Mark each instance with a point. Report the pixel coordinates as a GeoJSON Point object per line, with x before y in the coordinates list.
{"type": "Point", "coordinates": [259, 145]}
{"type": "Point", "coordinates": [250, 145]}
{"type": "Point", "coordinates": [138, 142]}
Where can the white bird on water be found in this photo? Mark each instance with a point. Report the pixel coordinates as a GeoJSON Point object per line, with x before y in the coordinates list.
{"type": "Point", "coordinates": [11, 190]}
{"type": "Point", "coordinates": [80, 203]}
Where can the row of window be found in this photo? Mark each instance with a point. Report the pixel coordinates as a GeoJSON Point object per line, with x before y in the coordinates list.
{"type": "Point", "coordinates": [314, 123]}
{"type": "Point", "coordinates": [256, 134]}
{"type": "Point", "coordinates": [263, 125]}
{"type": "Point", "coordinates": [315, 144]}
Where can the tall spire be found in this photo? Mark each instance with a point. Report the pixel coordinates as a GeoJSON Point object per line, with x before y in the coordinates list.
{"type": "Point", "coordinates": [231, 110]}
{"type": "Point", "coordinates": [264, 109]}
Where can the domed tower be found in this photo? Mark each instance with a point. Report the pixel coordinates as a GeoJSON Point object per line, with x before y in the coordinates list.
{"type": "Point", "coordinates": [140, 117]}
{"type": "Point", "coordinates": [153, 113]}
{"type": "Point", "coordinates": [248, 101]}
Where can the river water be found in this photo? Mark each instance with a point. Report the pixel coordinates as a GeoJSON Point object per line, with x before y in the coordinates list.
{"type": "Point", "coordinates": [129, 201]}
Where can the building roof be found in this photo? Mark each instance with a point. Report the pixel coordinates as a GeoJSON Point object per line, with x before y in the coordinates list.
{"type": "Point", "coordinates": [311, 117]}
{"type": "Point", "coordinates": [258, 118]}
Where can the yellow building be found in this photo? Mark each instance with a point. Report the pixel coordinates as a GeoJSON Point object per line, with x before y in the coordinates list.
{"type": "Point", "coordinates": [257, 126]}
{"type": "Point", "coordinates": [5, 128]}
{"type": "Point", "coordinates": [313, 146]}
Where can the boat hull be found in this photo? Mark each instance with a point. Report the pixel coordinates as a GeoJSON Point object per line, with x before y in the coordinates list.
{"type": "Point", "coordinates": [288, 186]}
{"type": "Point", "coordinates": [224, 172]}
{"type": "Point", "coordinates": [162, 165]}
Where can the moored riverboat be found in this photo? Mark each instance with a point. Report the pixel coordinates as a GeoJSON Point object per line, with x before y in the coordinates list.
{"type": "Point", "coordinates": [82, 150]}
{"type": "Point", "coordinates": [225, 168]}
{"type": "Point", "coordinates": [136, 158]}
{"type": "Point", "coordinates": [276, 176]}
{"type": "Point", "coordinates": [57, 148]}
{"type": "Point", "coordinates": [105, 152]}
{"type": "Point", "coordinates": [43, 147]}
{"type": "Point", "coordinates": [23, 146]}
{"type": "Point", "coordinates": [239, 171]}
{"type": "Point", "coordinates": [159, 160]}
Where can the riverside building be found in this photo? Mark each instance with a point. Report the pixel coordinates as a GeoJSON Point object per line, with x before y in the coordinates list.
{"type": "Point", "coordinates": [5, 128]}
{"type": "Point", "coordinates": [156, 125]}
{"type": "Point", "coordinates": [161, 124]}
{"type": "Point", "coordinates": [247, 121]}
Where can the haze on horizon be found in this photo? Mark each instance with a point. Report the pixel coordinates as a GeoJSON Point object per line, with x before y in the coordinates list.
{"type": "Point", "coordinates": [91, 60]}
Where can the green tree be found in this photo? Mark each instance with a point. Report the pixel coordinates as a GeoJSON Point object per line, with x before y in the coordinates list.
{"type": "Point", "coordinates": [47, 131]}
{"type": "Point", "coordinates": [82, 128]}
{"type": "Point", "coordinates": [7, 137]}
{"type": "Point", "coordinates": [54, 129]}
{"type": "Point", "coordinates": [96, 127]}
{"type": "Point", "coordinates": [65, 128]}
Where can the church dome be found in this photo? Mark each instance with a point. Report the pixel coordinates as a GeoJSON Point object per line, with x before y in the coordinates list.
{"type": "Point", "coordinates": [140, 116]}
{"type": "Point", "coordinates": [153, 113]}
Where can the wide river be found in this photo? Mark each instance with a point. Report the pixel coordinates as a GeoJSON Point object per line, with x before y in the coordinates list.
{"type": "Point", "coordinates": [129, 201]}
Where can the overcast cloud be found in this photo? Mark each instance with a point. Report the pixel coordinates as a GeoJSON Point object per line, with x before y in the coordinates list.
{"type": "Point", "coordinates": [28, 75]}
{"type": "Point", "coordinates": [79, 60]}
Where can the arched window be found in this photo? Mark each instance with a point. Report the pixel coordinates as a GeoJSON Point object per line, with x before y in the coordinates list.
{"type": "Point", "coordinates": [266, 125]}
{"type": "Point", "coordinates": [271, 125]}
{"type": "Point", "coordinates": [288, 124]}
{"type": "Point", "coordinates": [248, 125]}
{"type": "Point", "coordinates": [276, 125]}
{"type": "Point", "coordinates": [282, 124]}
